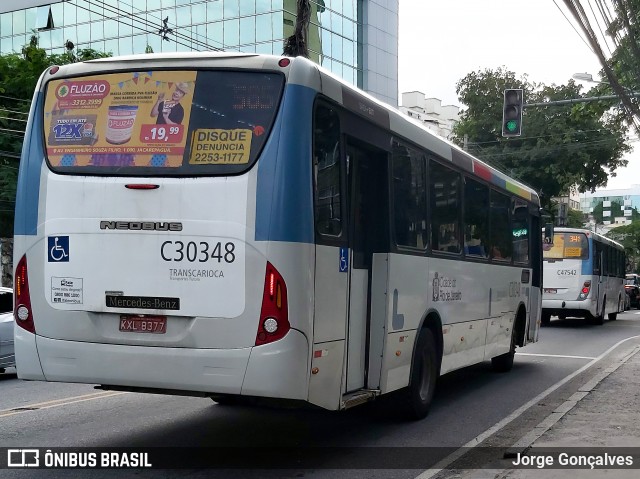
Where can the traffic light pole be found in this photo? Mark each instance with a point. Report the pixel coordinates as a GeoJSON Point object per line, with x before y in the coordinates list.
{"type": "Point", "coordinates": [580, 100]}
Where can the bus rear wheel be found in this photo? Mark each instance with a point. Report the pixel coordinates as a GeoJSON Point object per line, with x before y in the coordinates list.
{"type": "Point", "coordinates": [416, 399]}
{"type": "Point", "coordinates": [599, 318]}
{"type": "Point", "coordinates": [504, 362]}
{"type": "Point", "coordinates": [614, 316]}
{"type": "Point", "coordinates": [545, 318]}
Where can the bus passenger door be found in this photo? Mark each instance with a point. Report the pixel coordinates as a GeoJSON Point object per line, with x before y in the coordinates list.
{"type": "Point", "coordinates": [368, 234]}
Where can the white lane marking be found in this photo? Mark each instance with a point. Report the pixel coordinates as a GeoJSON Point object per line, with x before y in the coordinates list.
{"type": "Point", "coordinates": [429, 473]}
{"type": "Point", "coordinates": [555, 356]}
{"type": "Point", "coordinates": [58, 402]}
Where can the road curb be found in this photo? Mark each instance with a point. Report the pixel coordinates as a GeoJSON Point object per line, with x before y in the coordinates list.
{"type": "Point", "coordinates": [526, 441]}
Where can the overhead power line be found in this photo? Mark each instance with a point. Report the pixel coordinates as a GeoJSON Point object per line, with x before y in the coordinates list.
{"type": "Point", "coordinates": [157, 17]}
{"type": "Point", "coordinates": [14, 111]}
{"type": "Point", "coordinates": [12, 131]}
{"type": "Point", "coordinates": [573, 26]}
{"type": "Point", "coordinates": [122, 13]}
{"type": "Point", "coordinates": [12, 119]}
{"type": "Point", "coordinates": [9, 154]}
{"type": "Point", "coordinates": [14, 98]}
{"type": "Point", "coordinates": [579, 14]}
{"type": "Point", "coordinates": [604, 37]}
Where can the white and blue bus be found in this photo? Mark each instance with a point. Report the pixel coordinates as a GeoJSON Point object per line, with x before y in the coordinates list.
{"type": "Point", "coordinates": [583, 276]}
{"type": "Point", "coordinates": [239, 225]}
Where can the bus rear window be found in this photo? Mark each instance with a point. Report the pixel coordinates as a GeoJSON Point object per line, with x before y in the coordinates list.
{"type": "Point", "coordinates": [182, 123]}
{"type": "Point", "coordinates": [567, 246]}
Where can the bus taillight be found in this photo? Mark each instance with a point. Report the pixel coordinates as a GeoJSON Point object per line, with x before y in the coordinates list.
{"type": "Point", "coordinates": [274, 318]}
{"type": "Point", "coordinates": [22, 300]}
{"type": "Point", "coordinates": [586, 287]}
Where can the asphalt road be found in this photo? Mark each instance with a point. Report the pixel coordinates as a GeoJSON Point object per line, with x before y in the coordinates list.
{"type": "Point", "coordinates": [467, 404]}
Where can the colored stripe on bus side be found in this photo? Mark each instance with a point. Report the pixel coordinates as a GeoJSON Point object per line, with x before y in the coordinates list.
{"type": "Point", "coordinates": [28, 192]}
{"type": "Point", "coordinates": [485, 173]}
{"type": "Point", "coordinates": [284, 198]}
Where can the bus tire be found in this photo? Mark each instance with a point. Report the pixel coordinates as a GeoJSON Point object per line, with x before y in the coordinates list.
{"type": "Point", "coordinates": [599, 318]}
{"type": "Point", "coordinates": [416, 399]}
{"type": "Point", "coordinates": [613, 316]}
{"type": "Point", "coordinates": [545, 318]}
{"type": "Point", "coordinates": [504, 362]}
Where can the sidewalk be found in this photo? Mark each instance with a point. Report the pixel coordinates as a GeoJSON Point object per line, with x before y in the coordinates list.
{"type": "Point", "coordinates": [603, 413]}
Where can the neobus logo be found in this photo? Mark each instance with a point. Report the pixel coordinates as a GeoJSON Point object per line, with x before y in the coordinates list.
{"type": "Point", "coordinates": [140, 225]}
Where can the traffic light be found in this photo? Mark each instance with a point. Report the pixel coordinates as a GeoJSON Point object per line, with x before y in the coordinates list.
{"type": "Point", "coordinates": [512, 112]}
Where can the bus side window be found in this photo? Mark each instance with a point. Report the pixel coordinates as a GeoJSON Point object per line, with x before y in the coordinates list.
{"type": "Point", "coordinates": [501, 232]}
{"type": "Point", "coordinates": [409, 197]}
{"type": "Point", "coordinates": [444, 199]}
{"type": "Point", "coordinates": [327, 175]}
{"type": "Point", "coordinates": [596, 258]}
{"type": "Point", "coordinates": [476, 218]}
{"type": "Point", "coordinates": [520, 230]}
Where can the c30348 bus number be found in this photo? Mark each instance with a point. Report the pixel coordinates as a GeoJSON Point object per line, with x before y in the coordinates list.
{"type": "Point", "coordinates": [200, 251]}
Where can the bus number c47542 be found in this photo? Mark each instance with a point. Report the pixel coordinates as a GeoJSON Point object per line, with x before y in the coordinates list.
{"type": "Point", "coordinates": [567, 272]}
{"type": "Point", "coordinates": [200, 251]}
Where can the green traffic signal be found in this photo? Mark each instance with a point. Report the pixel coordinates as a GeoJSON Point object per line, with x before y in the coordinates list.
{"type": "Point", "coordinates": [511, 126]}
{"type": "Point", "coordinates": [512, 112]}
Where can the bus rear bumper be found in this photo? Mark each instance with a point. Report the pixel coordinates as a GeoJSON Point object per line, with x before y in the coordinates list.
{"type": "Point", "coordinates": [27, 360]}
{"type": "Point", "coordinates": [574, 307]}
{"type": "Point", "coordinates": [272, 370]}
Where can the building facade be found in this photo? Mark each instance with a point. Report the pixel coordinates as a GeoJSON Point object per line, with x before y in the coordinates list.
{"type": "Point", "coordinates": [628, 198]}
{"type": "Point", "coordinates": [430, 112]}
{"type": "Point", "coordinates": [355, 39]}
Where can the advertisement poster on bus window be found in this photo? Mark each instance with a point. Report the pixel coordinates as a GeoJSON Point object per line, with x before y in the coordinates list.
{"type": "Point", "coordinates": [555, 251]}
{"type": "Point", "coordinates": [124, 119]}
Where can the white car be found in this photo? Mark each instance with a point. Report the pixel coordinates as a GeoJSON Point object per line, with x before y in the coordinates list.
{"type": "Point", "coordinates": [7, 354]}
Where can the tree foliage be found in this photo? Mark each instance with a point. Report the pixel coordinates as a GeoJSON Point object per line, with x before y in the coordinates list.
{"type": "Point", "coordinates": [561, 146]}
{"type": "Point", "coordinates": [19, 73]}
{"type": "Point", "coordinates": [575, 219]}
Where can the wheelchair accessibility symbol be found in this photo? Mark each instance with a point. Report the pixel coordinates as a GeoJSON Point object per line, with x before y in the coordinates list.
{"type": "Point", "coordinates": [58, 247]}
{"type": "Point", "coordinates": [344, 260]}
